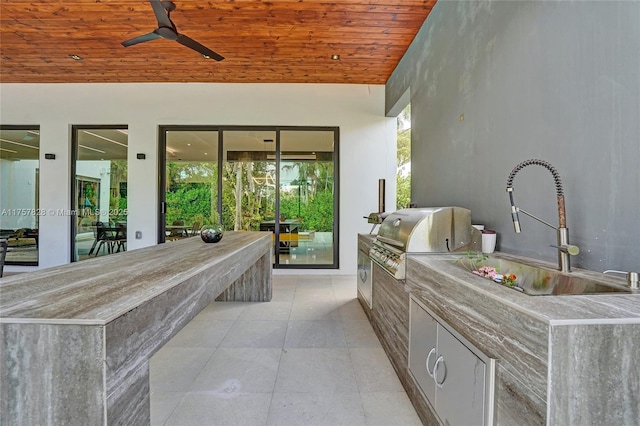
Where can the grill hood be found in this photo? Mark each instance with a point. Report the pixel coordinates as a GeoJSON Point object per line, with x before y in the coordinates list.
{"type": "Point", "coordinates": [427, 230]}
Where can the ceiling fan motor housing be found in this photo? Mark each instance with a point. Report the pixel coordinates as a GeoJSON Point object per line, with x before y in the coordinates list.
{"type": "Point", "coordinates": [167, 33]}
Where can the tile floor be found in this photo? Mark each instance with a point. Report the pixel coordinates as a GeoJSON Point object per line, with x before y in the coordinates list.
{"type": "Point", "coordinates": [308, 357]}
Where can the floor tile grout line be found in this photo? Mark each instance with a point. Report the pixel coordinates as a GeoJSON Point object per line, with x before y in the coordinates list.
{"type": "Point", "coordinates": [184, 394]}
{"type": "Point", "coordinates": [355, 377]}
{"type": "Point", "coordinates": [273, 389]}
{"type": "Point", "coordinates": [282, 352]}
{"type": "Point", "coordinates": [190, 387]}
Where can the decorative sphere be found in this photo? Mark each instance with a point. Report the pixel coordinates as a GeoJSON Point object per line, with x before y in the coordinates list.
{"type": "Point", "coordinates": [211, 234]}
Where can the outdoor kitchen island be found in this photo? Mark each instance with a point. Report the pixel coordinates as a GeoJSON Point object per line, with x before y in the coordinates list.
{"type": "Point", "coordinates": [76, 339]}
{"type": "Point", "coordinates": [560, 360]}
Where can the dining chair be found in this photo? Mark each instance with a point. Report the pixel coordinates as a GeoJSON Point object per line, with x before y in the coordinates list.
{"type": "Point", "coordinates": [195, 229]}
{"type": "Point", "coordinates": [94, 228]}
{"type": "Point", "coordinates": [120, 238]}
{"type": "Point", "coordinates": [3, 255]}
{"type": "Point", "coordinates": [103, 236]}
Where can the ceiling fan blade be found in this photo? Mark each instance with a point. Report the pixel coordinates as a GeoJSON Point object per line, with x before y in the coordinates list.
{"type": "Point", "coordinates": [140, 39]}
{"type": "Point", "coordinates": [203, 50]}
{"type": "Point", "coordinates": [161, 14]}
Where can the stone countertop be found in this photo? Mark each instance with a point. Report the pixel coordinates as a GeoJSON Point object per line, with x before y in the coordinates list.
{"type": "Point", "coordinates": [613, 308]}
{"type": "Point", "coordinates": [98, 290]}
{"type": "Point", "coordinates": [365, 240]}
{"type": "Point", "coordinates": [368, 236]}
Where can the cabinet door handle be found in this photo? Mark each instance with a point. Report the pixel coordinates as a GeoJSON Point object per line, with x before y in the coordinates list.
{"type": "Point", "coordinates": [439, 362]}
{"type": "Point", "coordinates": [426, 363]}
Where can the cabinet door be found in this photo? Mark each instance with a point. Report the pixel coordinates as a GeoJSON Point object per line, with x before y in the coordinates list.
{"type": "Point", "coordinates": [422, 345]}
{"type": "Point", "coordinates": [460, 382]}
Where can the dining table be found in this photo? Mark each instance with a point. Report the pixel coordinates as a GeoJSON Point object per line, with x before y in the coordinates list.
{"type": "Point", "coordinates": [178, 230]}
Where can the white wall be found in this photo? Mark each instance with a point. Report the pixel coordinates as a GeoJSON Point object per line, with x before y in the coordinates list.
{"type": "Point", "coordinates": [367, 141]}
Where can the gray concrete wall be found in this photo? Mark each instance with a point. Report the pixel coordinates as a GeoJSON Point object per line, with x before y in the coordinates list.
{"type": "Point", "coordinates": [559, 81]}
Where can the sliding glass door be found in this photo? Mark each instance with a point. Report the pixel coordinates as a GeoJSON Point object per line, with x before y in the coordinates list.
{"type": "Point", "coordinates": [99, 191]}
{"type": "Point", "coordinates": [248, 179]}
{"type": "Point", "coordinates": [274, 179]}
{"type": "Point", "coordinates": [307, 199]}
{"type": "Point", "coordinates": [190, 181]}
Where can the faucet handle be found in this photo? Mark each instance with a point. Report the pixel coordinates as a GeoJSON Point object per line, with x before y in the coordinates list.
{"type": "Point", "coordinates": [632, 277]}
{"type": "Point", "coordinates": [568, 248]}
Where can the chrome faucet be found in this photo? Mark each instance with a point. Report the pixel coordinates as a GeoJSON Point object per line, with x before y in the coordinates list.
{"type": "Point", "coordinates": [633, 278]}
{"type": "Point", "coordinates": [564, 248]}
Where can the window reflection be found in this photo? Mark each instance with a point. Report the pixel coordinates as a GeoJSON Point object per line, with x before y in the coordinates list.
{"type": "Point", "coordinates": [191, 172]}
{"type": "Point", "coordinates": [100, 191]}
{"type": "Point", "coordinates": [19, 193]}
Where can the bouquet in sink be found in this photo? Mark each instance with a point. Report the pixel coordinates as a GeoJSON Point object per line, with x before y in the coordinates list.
{"type": "Point", "coordinates": [474, 262]}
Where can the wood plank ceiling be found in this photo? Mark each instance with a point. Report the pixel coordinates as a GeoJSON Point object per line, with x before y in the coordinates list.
{"type": "Point", "coordinates": [276, 41]}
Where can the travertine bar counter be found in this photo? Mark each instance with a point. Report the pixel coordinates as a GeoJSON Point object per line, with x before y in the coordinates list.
{"type": "Point", "coordinates": [76, 339]}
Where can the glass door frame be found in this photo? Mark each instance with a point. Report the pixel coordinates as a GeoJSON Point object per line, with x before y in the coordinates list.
{"type": "Point", "coordinates": [162, 157]}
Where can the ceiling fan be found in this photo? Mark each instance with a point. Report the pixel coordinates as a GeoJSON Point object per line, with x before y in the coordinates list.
{"type": "Point", "coordinates": [167, 30]}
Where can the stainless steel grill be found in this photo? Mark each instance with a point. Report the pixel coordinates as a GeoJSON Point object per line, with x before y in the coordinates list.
{"type": "Point", "coordinates": [421, 230]}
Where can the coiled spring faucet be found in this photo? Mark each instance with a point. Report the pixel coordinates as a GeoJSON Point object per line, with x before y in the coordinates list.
{"type": "Point", "coordinates": [564, 248]}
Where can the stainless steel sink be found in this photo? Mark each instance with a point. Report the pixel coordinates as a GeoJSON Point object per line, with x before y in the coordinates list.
{"type": "Point", "coordinates": [539, 281]}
